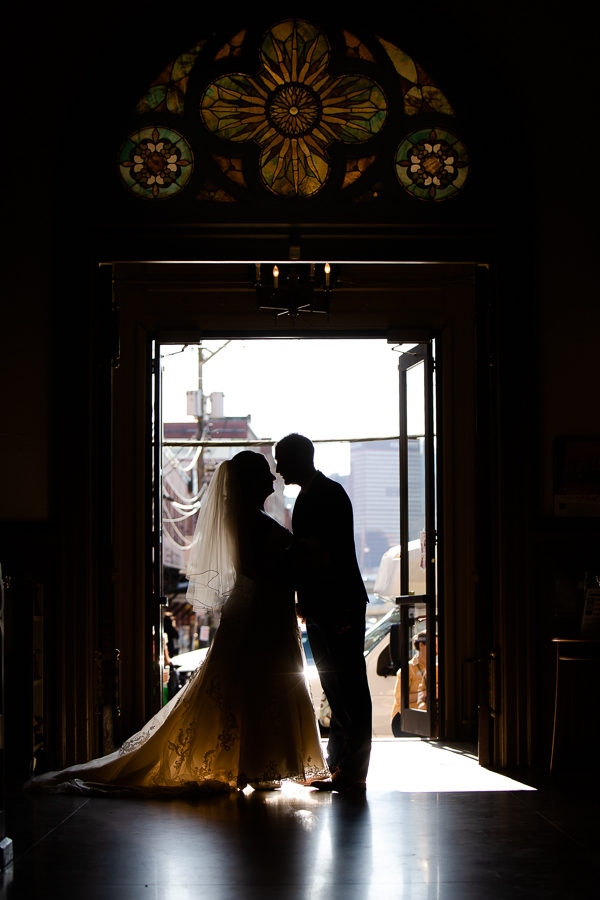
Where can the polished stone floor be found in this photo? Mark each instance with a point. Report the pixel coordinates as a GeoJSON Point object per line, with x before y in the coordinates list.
{"type": "Point", "coordinates": [433, 824]}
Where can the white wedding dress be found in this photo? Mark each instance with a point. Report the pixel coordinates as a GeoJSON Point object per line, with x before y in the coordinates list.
{"type": "Point", "coordinates": [244, 717]}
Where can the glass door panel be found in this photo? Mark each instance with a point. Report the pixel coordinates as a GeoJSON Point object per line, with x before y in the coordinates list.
{"type": "Point", "coordinates": [155, 580]}
{"type": "Point", "coordinates": [417, 600]}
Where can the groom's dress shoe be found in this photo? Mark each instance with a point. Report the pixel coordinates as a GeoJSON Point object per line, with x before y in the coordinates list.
{"type": "Point", "coordinates": [342, 783]}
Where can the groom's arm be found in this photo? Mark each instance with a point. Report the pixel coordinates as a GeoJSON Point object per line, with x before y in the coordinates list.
{"type": "Point", "coordinates": [324, 555]}
{"type": "Point", "coordinates": [351, 589]}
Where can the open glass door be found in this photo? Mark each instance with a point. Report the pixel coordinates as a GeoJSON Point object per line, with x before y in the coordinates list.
{"type": "Point", "coordinates": [414, 642]}
{"type": "Point", "coordinates": [156, 597]}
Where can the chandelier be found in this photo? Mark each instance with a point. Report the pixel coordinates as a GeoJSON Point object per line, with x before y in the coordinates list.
{"type": "Point", "coordinates": [290, 289]}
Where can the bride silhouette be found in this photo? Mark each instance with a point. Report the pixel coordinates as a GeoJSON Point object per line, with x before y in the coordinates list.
{"type": "Point", "coordinates": [245, 716]}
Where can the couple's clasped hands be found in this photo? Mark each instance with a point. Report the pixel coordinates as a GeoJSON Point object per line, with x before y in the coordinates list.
{"type": "Point", "coordinates": [339, 628]}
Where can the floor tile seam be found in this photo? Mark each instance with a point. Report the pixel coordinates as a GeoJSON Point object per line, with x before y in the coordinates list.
{"type": "Point", "coordinates": [47, 834]}
{"type": "Point", "coordinates": [561, 830]}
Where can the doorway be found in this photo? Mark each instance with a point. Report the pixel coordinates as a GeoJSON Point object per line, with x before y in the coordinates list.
{"type": "Point", "coordinates": [170, 306]}
{"type": "Point", "coordinates": [368, 404]}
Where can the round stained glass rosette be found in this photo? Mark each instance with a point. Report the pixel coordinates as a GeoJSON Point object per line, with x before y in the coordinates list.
{"type": "Point", "coordinates": [432, 164]}
{"type": "Point", "coordinates": [156, 162]}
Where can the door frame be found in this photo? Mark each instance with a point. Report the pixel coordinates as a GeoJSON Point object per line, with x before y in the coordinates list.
{"type": "Point", "coordinates": [161, 304]}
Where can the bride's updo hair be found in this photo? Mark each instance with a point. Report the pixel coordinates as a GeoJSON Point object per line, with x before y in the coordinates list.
{"type": "Point", "coordinates": [246, 479]}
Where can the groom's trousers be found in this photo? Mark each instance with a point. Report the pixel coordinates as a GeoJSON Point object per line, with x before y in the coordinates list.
{"type": "Point", "coordinates": [341, 665]}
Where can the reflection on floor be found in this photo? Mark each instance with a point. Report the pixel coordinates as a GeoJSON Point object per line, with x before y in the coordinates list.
{"type": "Point", "coordinates": [433, 824]}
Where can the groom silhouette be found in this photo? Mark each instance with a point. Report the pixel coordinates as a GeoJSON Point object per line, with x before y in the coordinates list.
{"type": "Point", "coordinates": [332, 599]}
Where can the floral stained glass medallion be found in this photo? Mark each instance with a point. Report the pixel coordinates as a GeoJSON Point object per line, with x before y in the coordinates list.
{"type": "Point", "coordinates": [155, 162]}
{"type": "Point", "coordinates": [294, 108]}
{"type": "Point", "coordinates": [432, 164]}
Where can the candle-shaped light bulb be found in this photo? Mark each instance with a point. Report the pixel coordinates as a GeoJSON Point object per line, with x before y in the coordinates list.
{"type": "Point", "coordinates": [327, 274]}
{"type": "Point", "coordinates": [275, 276]}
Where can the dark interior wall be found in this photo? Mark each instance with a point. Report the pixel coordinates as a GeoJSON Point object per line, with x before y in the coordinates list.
{"type": "Point", "coordinates": [25, 364]}
{"type": "Point", "coordinates": [548, 377]}
{"type": "Point", "coordinates": [544, 58]}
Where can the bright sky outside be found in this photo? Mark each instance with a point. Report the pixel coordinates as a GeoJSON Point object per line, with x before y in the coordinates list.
{"type": "Point", "coordinates": [326, 389]}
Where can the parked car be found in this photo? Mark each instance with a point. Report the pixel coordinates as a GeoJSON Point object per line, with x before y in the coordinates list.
{"type": "Point", "coordinates": [186, 663]}
{"type": "Point", "coordinates": [380, 675]}
{"type": "Point", "coordinates": [377, 608]}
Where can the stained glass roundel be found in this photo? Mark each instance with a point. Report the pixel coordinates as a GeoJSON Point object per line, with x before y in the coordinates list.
{"type": "Point", "coordinates": [432, 164]}
{"type": "Point", "coordinates": [293, 108]}
{"type": "Point", "coordinates": [155, 162]}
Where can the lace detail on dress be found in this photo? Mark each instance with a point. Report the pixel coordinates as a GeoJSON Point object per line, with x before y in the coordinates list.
{"type": "Point", "coordinates": [138, 739]}
{"type": "Point", "coordinates": [180, 747]}
{"type": "Point", "coordinates": [229, 734]}
{"type": "Point", "coordinates": [182, 699]}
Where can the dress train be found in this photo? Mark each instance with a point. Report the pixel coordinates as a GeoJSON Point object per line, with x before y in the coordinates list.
{"type": "Point", "coordinates": [244, 717]}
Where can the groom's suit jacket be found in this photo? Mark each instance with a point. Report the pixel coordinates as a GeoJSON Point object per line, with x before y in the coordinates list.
{"type": "Point", "coordinates": [328, 580]}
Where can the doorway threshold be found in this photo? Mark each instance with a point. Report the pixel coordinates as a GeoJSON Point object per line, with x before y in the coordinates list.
{"type": "Point", "coordinates": [413, 765]}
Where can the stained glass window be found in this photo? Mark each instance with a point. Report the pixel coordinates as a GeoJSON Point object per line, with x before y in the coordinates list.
{"type": "Point", "coordinates": [231, 167]}
{"type": "Point", "coordinates": [418, 90]}
{"type": "Point", "coordinates": [355, 169]}
{"type": "Point", "coordinates": [167, 93]}
{"type": "Point", "coordinates": [305, 114]}
{"type": "Point", "coordinates": [293, 108]}
{"type": "Point", "coordinates": [355, 48]}
{"type": "Point", "coordinates": [233, 47]}
{"type": "Point", "coordinates": [156, 162]}
{"type": "Point", "coordinates": [432, 164]}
